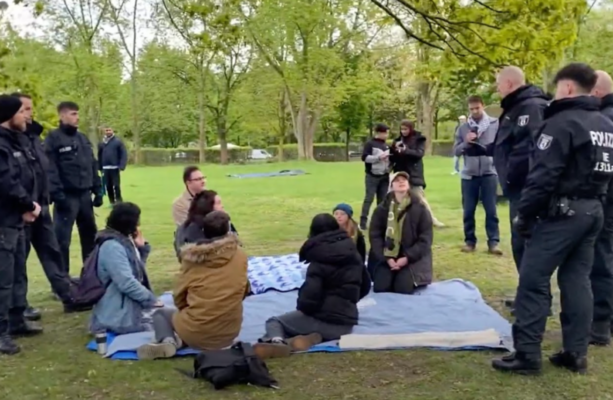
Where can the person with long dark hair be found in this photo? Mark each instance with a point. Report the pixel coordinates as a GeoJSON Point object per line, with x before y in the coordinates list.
{"type": "Point", "coordinates": [121, 256]}
{"type": "Point", "coordinates": [193, 230]}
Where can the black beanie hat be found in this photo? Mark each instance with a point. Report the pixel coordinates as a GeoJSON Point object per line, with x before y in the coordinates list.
{"type": "Point", "coordinates": [9, 106]}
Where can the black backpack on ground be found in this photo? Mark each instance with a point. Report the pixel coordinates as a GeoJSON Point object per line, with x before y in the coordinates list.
{"type": "Point", "coordinates": [237, 364]}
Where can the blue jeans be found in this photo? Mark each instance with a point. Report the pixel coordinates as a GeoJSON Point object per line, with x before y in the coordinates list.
{"type": "Point", "coordinates": [480, 188]}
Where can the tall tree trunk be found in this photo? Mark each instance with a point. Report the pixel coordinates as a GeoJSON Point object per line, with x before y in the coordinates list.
{"type": "Point", "coordinates": [347, 137]}
{"type": "Point", "coordinates": [426, 115]}
{"type": "Point", "coordinates": [201, 127]}
{"type": "Point", "coordinates": [135, 125]}
{"type": "Point", "coordinates": [223, 141]}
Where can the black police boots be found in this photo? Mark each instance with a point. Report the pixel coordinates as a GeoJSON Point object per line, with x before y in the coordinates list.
{"type": "Point", "coordinates": [24, 328]}
{"type": "Point", "coordinates": [600, 334]}
{"type": "Point", "coordinates": [571, 361]}
{"type": "Point", "coordinates": [519, 363]}
{"type": "Point", "coordinates": [7, 346]}
{"type": "Point", "coordinates": [32, 314]}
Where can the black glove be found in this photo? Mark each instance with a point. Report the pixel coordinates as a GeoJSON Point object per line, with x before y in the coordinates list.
{"type": "Point", "coordinates": [97, 201]}
{"type": "Point", "coordinates": [523, 226]}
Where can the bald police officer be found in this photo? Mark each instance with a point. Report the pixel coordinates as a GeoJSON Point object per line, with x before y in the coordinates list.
{"type": "Point", "coordinates": [602, 270]}
{"type": "Point", "coordinates": [561, 207]}
{"type": "Point", "coordinates": [18, 189]}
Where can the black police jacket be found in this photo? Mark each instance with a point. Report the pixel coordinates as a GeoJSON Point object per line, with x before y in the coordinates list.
{"type": "Point", "coordinates": [17, 179]}
{"type": "Point", "coordinates": [41, 164]}
{"type": "Point", "coordinates": [606, 107]}
{"type": "Point", "coordinates": [411, 159]}
{"type": "Point", "coordinates": [521, 118]}
{"type": "Point", "coordinates": [573, 155]}
{"type": "Point", "coordinates": [73, 167]}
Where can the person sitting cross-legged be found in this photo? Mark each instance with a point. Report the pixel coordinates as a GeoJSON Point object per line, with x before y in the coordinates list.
{"type": "Point", "coordinates": [121, 254]}
{"type": "Point", "coordinates": [401, 240]}
{"type": "Point", "coordinates": [208, 294]}
{"type": "Point", "coordinates": [327, 309]}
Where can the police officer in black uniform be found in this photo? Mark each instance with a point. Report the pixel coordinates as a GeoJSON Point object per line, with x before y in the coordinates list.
{"type": "Point", "coordinates": [602, 270]}
{"type": "Point", "coordinates": [523, 106]}
{"type": "Point", "coordinates": [41, 234]}
{"type": "Point", "coordinates": [73, 179]}
{"type": "Point", "coordinates": [18, 189]}
{"type": "Point", "coordinates": [561, 208]}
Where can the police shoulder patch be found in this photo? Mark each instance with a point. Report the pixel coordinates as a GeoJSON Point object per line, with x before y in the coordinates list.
{"type": "Point", "coordinates": [544, 141]}
{"type": "Point", "coordinates": [523, 120]}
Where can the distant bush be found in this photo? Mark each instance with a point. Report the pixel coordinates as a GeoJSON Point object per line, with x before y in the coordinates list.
{"type": "Point", "coordinates": [155, 156]}
{"type": "Point", "coordinates": [321, 151]}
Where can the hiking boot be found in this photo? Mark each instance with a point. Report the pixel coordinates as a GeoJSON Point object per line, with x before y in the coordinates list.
{"type": "Point", "coordinates": [494, 250]}
{"type": "Point", "coordinates": [304, 342]}
{"type": "Point", "coordinates": [571, 361]}
{"type": "Point", "coordinates": [25, 328]}
{"type": "Point", "coordinates": [519, 363]}
{"type": "Point", "coordinates": [155, 351]}
{"type": "Point", "coordinates": [32, 314]}
{"type": "Point", "coordinates": [468, 248]}
{"type": "Point", "coordinates": [8, 346]}
{"type": "Point", "coordinates": [266, 351]}
{"type": "Point", "coordinates": [600, 334]}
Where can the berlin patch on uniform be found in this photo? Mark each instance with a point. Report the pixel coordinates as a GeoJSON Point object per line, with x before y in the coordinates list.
{"type": "Point", "coordinates": [544, 142]}
{"type": "Point", "coordinates": [523, 120]}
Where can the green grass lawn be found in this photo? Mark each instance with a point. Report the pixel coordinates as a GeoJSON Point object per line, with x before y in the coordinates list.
{"type": "Point", "coordinates": [273, 216]}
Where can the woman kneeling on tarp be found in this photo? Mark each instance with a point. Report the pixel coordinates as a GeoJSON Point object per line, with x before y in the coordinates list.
{"type": "Point", "coordinates": [208, 295]}
{"type": "Point", "coordinates": [327, 300]}
{"type": "Point", "coordinates": [401, 240]}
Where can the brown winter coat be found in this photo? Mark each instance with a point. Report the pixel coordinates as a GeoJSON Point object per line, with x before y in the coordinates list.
{"type": "Point", "coordinates": [209, 293]}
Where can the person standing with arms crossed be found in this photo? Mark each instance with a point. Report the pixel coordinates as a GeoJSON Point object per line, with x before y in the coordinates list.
{"type": "Point", "coordinates": [113, 158]}
{"type": "Point", "coordinates": [602, 269]}
{"type": "Point", "coordinates": [40, 234]}
{"type": "Point", "coordinates": [73, 179]}
{"type": "Point", "coordinates": [18, 189]}
{"type": "Point", "coordinates": [561, 210]}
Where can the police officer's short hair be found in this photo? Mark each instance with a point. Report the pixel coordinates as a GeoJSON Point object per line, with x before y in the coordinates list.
{"type": "Point", "coordinates": [188, 171]}
{"type": "Point", "coordinates": [67, 106]}
{"type": "Point", "coordinates": [582, 74]}
{"type": "Point", "coordinates": [21, 95]}
{"type": "Point", "coordinates": [475, 100]}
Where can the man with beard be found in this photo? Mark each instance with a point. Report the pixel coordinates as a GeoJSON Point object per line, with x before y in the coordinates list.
{"type": "Point", "coordinates": [18, 189]}
{"type": "Point", "coordinates": [40, 234]}
{"type": "Point", "coordinates": [113, 157]}
{"type": "Point", "coordinates": [73, 180]}
{"type": "Point", "coordinates": [602, 269]}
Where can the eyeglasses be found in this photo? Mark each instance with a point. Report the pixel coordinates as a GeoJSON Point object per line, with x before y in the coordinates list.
{"type": "Point", "coordinates": [200, 179]}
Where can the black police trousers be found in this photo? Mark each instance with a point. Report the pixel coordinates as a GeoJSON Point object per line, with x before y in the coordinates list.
{"type": "Point", "coordinates": [518, 243]}
{"type": "Point", "coordinates": [566, 243]}
{"type": "Point", "coordinates": [13, 279]}
{"type": "Point", "coordinates": [41, 235]}
{"type": "Point", "coordinates": [602, 278]}
{"type": "Point", "coordinates": [76, 207]}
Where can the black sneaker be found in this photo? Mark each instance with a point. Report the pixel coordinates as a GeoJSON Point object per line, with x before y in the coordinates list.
{"type": "Point", "coordinates": [8, 346]}
{"type": "Point", "coordinates": [519, 363]}
{"type": "Point", "coordinates": [32, 314]}
{"type": "Point", "coordinates": [25, 328]}
{"type": "Point", "coordinates": [571, 361]}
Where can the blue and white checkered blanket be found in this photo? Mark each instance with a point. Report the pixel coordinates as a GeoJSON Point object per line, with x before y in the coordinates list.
{"type": "Point", "coordinates": [281, 273]}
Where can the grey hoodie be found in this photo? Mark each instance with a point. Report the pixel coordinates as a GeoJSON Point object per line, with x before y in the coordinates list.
{"type": "Point", "coordinates": [475, 165]}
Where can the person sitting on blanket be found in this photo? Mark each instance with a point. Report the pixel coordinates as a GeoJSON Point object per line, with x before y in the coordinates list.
{"type": "Point", "coordinates": [344, 216]}
{"type": "Point", "coordinates": [401, 240]}
{"type": "Point", "coordinates": [122, 253]}
{"type": "Point", "coordinates": [327, 309]}
{"type": "Point", "coordinates": [192, 230]}
{"type": "Point", "coordinates": [208, 294]}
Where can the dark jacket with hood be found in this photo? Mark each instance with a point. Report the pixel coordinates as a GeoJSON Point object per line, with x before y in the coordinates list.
{"type": "Point", "coordinates": [416, 238]}
{"type": "Point", "coordinates": [411, 159]}
{"type": "Point", "coordinates": [18, 185]}
{"type": "Point", "coordinates": [521, 118]}
{"type": "Point", "coordinates": [112, 153]}
{"type": "Point", "coordinates": [336, 278]}
{"type": "Point", "coordinates": [606, 107]}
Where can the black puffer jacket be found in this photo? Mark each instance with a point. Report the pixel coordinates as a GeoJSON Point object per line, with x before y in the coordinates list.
{"type": "Point", "coordinates": [410, 160]}
{"type": "Point", "coordinates": [336, 279]}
